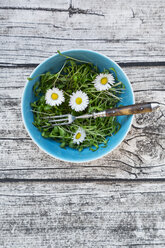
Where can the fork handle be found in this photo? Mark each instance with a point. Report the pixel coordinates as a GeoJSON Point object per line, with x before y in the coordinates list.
{"type": "Point", "coordinates": [138, 108]}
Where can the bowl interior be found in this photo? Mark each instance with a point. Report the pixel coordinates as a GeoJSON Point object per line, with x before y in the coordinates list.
{"type": "Point", "coordinates": [53, 64]}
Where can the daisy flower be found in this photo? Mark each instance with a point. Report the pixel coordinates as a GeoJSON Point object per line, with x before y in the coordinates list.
{"type": "Point", "coordinates": [54, 97]}
{"type": "Point", "coordinates": [103, 81]}
{"type": "Point", "coordinates": [79, 136]}
{"type": "Point", "coordinates": [79, 101]}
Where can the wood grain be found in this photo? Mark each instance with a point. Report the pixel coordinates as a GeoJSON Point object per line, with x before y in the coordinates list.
{"type": "Point", "coordinates": [105, 215]}
{"type": "Point", "coordinates": [141, 155]}
{"type": "Point", "coordinates": [125, 32]}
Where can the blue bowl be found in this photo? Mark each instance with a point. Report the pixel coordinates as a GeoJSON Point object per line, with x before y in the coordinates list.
{"type": "Point", "coordinates": [53, 64]}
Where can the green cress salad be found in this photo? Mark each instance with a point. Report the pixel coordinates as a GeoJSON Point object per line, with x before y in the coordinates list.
{"type": "Point", "coordinates": [76, 89]}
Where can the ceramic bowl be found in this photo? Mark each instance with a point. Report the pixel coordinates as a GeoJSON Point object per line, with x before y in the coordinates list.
{"type": "Point", "coordinates": [53, 64]}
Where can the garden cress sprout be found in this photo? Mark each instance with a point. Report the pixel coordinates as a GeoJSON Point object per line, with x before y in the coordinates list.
{"type": "Point", "coordinates": [81, 88]}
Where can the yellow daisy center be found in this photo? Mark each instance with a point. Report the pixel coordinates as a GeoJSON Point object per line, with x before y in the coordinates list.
{"type": "Point", "coordinates": [78, 135]}
{"type": "Point", "coordinates": [54, 96]}
{"type": "Point", "coordinates": [104, 80]}
{"type": "Point", "coordinates": [78, 100]}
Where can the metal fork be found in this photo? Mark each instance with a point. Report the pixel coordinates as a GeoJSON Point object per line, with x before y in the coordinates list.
{"type": "Point", "coordinates": [138, 108]}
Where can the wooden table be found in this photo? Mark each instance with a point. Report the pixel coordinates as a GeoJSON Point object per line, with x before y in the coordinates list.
{"type": "Point", "coordinates": [117, 201]}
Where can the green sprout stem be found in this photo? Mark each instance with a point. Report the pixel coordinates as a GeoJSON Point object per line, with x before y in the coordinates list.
{"type": "Point", "coordinates": [76, 75]}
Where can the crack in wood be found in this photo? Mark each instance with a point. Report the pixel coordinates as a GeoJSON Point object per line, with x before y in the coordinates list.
{"type": "Point", "coordinates": [138, 128]}
{"type": "Point", "coordinates": [78, 167]}
{"type": "Point", "coordinates": [33, 8]}
{"type": "Point", "coordinates": [125, 141]}
{"type": "Point", "coordinates": [136, 167]}
{"type": "Point", "coordinates": [136, 136]}
{"type": "Point", "coordinates": [160, 145]}
{"type": "Point", "coordinates": [131, 153]}
{"type": "Point", "coordinates": [152, 166]}
{"type": "Point", "coordinates": [145, 63]}
{"type": "Point", "coordinates": [133, 13]}
{"type": "Point", "coordinates": [144, 245]}
{"type": "Point", "coordinates": [71, 10]}
{"type": "Point", "coordinates": [121, 168]}
{"type": "Point", "coordinates": [162, 113]}
{"type": "Point", "coordinates": [106, 40]}
{"type": "Point", "coordinates": [84, 180]}
{"type": "Point", "coordinates": [135, 91]}
{"type": "Point", "coordinates": [88, 194]}
{"type": "Point", "coordinates": [59, 168]}
{"type": "Point", "coordinates": [154, 133]}
{"type": "Point", "coordinates": [160, 116]}
{"type": "Point", "coordinates": [12, 65]}
{"type": "Point", "coordinates": [12, 139]}
{"type": "Point", "coordinates": [129, 172]}
{"type": "Point", "coordinates": [127, 64]}
{"type": "Point", "coordinates": [11, 87]}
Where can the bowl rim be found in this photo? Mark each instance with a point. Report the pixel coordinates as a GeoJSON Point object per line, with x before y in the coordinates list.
{"type": "Point", "coordinates": [52, 155]}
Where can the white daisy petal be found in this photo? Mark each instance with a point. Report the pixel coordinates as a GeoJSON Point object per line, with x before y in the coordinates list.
{"type": "Point", "coordinates": [54, 97]}
{"type": "Point", "coordinates": [79, 101]}
{"type": "Point", "coordinates": [103, 81]}
{"type": "Point", "coordinates": [79, 136]}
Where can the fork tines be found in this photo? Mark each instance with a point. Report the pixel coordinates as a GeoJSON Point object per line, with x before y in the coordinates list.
{"type": "Point", "coordinates": [51, 121]}
{"type": "Point", "coordinates": [54, 116]}
{"type": "Point", "coordinates": [57, 120]}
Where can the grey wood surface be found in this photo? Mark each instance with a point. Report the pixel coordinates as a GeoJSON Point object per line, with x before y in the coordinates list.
{"type": "Point", "coordinates": [116, 201]}
{"type": "Point", "coordinates": [82, 214]}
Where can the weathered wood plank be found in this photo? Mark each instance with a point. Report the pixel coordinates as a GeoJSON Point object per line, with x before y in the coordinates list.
{"type": "Point", "coordinates": [147, 82]}
{"type": "Point", "coordinates": [125, 32]}
{"type": "Point", "coordinates": [82, 215]}
{"type": "Point", "coordinates": [141, 155]}
{"type": "Point", "coordinates": [141, 78]}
